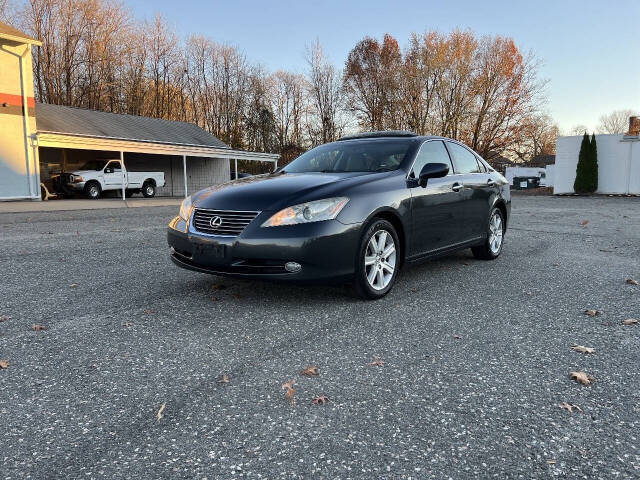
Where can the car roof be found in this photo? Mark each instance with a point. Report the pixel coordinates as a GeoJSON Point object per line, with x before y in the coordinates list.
{"type": "Point", "coordinates": [390, 134]}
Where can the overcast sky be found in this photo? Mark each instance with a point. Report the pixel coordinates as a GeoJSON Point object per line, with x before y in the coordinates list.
{"type": "Point", "coordinates": [590, 49]}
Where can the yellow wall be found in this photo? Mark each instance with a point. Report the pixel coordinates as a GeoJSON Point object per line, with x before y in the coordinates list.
{"type": "Point", "coordinates": [18, 164]}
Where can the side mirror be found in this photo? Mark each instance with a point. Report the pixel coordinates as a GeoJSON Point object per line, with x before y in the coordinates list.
{"type": "Point", "coordinates": [432, 170]}
{"type": "Point", "coordinates": [108, 170]}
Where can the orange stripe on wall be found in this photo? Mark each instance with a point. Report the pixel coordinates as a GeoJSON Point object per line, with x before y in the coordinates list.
{"type": "Point", "coordinates": [15, 100]}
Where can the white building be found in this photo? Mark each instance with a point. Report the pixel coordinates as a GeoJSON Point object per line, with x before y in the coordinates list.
{"type": "Point", "coordinates": [618, 164]}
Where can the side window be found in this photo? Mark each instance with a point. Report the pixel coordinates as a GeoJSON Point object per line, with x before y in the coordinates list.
{"type": "Point", "coordinates": [431, 152]}
{"type": "Point", "coordinates": [114, 167]}
{"type": "Point", "coordinates": [463, 159]}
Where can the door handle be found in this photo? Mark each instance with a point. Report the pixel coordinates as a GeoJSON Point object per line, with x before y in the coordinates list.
{"type": "Point", "coordinates": [456, 187]}
{"type": "Point", "coordinates": [490, 182]}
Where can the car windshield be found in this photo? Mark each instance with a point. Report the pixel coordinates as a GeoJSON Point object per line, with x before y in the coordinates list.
{"type": "Point", "coordinates": [352, 156]}
{"type": "Point", "coordinates": [94, 165]}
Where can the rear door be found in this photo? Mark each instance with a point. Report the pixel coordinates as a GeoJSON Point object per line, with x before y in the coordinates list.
{"type": "Point", "coordinates": [436, 210]}
{"type": "Point", "coordinates": [478, 189]}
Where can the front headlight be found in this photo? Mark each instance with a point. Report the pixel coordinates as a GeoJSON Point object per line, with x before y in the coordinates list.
{"type": "Point", "coordinates": [78, 179]}
{"type": "Point", "coordinates": [185, 209]}
{"type": "Point", "coordinates": [316, 211]}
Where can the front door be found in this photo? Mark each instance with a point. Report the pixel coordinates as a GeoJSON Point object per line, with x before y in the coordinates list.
{"type": "Point", "coordinates": [113, 174]}
{"type": "Point", "coordinates": [437, 209]}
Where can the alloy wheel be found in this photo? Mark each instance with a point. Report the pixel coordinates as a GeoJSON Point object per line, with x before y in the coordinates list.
{"type": "Point", "coordinates": [495, 233]}
{"type": "Point", "coordinates": [380, 259]}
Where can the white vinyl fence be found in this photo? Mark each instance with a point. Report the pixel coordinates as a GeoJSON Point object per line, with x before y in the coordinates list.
{"type": "Point", "coordinates": [618, 164]}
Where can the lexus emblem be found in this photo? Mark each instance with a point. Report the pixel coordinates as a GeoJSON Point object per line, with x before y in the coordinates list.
{"type": "Point", "coordinates": [215, 222]}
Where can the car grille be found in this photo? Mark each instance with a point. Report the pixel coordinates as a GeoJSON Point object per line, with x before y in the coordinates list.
{"type": "Point", "coordinates": [231, 223]}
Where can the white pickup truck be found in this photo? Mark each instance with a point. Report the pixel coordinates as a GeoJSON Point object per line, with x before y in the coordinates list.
{"type": "Point", "coordinates": [99, 176]}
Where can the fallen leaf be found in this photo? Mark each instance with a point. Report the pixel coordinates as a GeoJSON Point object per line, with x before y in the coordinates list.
{"type": "Point", "coordinates": [592, 313]}
{"type": "Point", "coordinates": [376, 362]}
{"type": "Point", "coordinates": [160, 414]}
{"type": "Point", "coordinates": [4, 363]}
{"type": "Point", "coordinates": [582, 349]}
{"type": "Point", "coordinates": [551, 462]}
{"type": "Point", "coordinates": [321, 400]}
{"type": "Point", "coordinates": [290, 391]}
{"type": "Point", "coordinates": [224, 379]}
{"type": "Point", "coordinates": [630, 321]}
{"type": "Point", "coordinates": [581, 377]}
{"type": "Point", "coordinates": [37, 327]}
{"type": "Point", "coordinates": [127, 324]}
{"type": "Point", "coordinates": [218, 287]}
{"type": "Point", "coordinates": [570, 407]}
{"type": "Point", "coordinates": [584, 224]}
{"type": "Point", "coordinates": [310, 372]}
{"type": "Point", "coordinates": [73, 285]}
{"type": "Point", "coordinates": [215, 299]}
{"type": "Point", "coordinates": [4, 318]}
{"type": "Point", "coordinates": [148, 311]}
{"type": "Point", "coordinates": [631, 281]}
{"type": "Point", "coordinates": [457, 337]}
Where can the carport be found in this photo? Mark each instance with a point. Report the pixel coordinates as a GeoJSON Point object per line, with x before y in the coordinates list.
{"type": "Point", "coordinates": [190, 157]}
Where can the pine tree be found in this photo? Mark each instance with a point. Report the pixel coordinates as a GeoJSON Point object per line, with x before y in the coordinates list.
{"type": "Point", "coordinates": [581, 183]}
{"type": "Point", "coordinates": [593, 164]}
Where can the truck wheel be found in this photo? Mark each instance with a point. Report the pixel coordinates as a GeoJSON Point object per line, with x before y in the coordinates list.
{"type": "Point", "coordinates": [149, 190]}
{"type": "Point", "coordinates": [92, 190]}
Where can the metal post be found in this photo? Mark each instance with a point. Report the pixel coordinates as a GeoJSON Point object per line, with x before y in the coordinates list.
{"type": "Point", "coordinates": [124, 196]}
{"type": "Point", "coordinates": [236, 167]}
{"type": "Point", "coordinates": [275, 163]}
{"type": "Point", "coordinates": [184, 165]}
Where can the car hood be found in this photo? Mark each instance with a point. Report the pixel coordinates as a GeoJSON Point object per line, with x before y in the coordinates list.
{"type": "Point", "coordinates": [84, 172]}
{"type": "Point", "coordinates": [271, 191]}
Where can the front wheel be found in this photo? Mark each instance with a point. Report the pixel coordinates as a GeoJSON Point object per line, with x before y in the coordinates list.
{"type": "Point", "coordinates": [92, 190]}
{"type": "Point", "coordinates": [378, 260]}
{"type": "Point", "coordinates": [492, 246]}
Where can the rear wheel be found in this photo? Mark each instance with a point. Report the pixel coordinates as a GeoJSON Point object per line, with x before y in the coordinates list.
{"type": "Point", "coordinates": [92, 190]}
{"type": "Point", "coordinates": [378, 260]}
{"type": "Point", "coordinates": [149, 190]}
{"type": "Point", "coordinates": [492, 247]}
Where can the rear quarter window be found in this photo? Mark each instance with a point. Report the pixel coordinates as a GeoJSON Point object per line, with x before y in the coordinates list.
{"type": "Point", "coordinates": [464, 160]}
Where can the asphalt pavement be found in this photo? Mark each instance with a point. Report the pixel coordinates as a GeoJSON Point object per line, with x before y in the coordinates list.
{"type": "Point", "coordinates": [458, 373]}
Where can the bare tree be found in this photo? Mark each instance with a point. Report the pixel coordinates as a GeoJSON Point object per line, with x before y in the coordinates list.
{"type": "Point", "coordinates": [578, 130]}
{"type": "Point", "coordinates": [326, 98]}
{"type": "Point", "coordinates": [7, 11]}
{"type": "Point", "coordinates": [615, 122]}
{"type": "Point", "coordinates": [370, 81]}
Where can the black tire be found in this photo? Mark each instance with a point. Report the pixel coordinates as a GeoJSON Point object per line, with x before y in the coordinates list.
{"type": "Point", "coordinates": [485, 251]}
{"type": "Point", "coordinates": [92, 190]}
{"type": "Point", "coordinates": [360, 282]}
{"type": "Point", "coordinates": [149, 190]}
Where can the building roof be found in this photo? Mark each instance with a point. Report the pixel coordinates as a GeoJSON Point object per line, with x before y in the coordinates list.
{"type": "Point", "coordinates": [91, 123]}
{"type": "Point", "coordinates": [13, 34]}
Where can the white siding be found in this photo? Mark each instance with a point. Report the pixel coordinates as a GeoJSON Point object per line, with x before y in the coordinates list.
{"type": "Point", "coordinates": [618, 164]}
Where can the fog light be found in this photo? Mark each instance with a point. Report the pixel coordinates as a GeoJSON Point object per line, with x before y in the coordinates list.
{"type": "Point", "coordinates": [292, 267]}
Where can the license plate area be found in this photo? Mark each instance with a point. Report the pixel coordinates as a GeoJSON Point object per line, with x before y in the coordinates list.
{"type": "Point", "coordinates": [211, 250]}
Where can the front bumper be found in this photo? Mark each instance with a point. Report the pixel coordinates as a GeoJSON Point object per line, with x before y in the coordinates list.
{"type": "Point", "coordinates": [325, 250]}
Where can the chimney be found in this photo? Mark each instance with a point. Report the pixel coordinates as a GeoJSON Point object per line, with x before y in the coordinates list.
{"type": "Point", "coordinates": [634, 126]}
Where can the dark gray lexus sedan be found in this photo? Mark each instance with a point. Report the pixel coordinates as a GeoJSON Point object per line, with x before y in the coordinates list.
{"type": "Point", "coordinates": [353, 210]}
